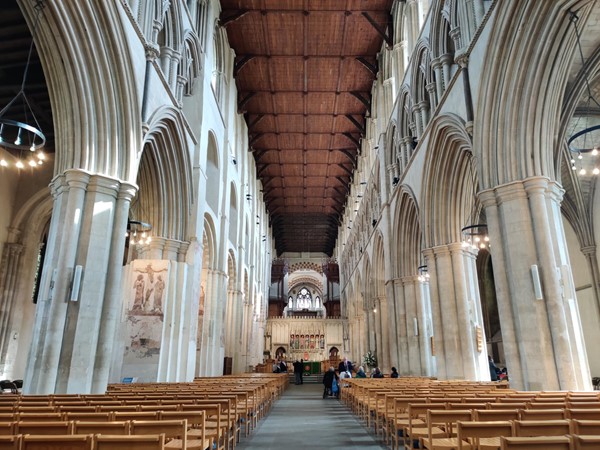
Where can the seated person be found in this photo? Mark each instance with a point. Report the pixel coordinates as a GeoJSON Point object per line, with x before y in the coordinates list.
{"type": "Point", "coordinates": [328, 378]}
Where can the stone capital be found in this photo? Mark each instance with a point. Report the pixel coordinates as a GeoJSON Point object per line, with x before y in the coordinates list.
{"type": "Point", "coordinates": [152, 51]}
{"type": "Point", "coordinates": [77, 178]}
{"type": "Point", "coordinates": [589, 250]}
{"type": "Point", "coordinates": [104, 185]}
{"type": "Point", "coordinates": [440, 250]}
{"type": "Point", "coordinates": [127, 191]}
{"type": "Point", "coordinates": [462, 59]}
{"type": "Point", "coordinates": [536, 186]}
{"type": "Point", "coordinates": [410, 280]}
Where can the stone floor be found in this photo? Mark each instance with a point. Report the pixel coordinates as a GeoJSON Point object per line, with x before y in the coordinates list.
{"type": "Point", "coordinates": [302, 419]}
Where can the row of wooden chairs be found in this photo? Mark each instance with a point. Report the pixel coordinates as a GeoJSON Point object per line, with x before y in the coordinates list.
{"type": "Point", "coordinates": [83, 442]}
{"type": "Point", "coordinates": [179, 432]}
{"type": "Point", "coordinates": [399, 409]}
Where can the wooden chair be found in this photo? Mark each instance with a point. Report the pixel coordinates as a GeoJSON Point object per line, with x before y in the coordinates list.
{"type": "Point", "coordinates": [89, 417]}
{"type": "Point", "coordinates": [542, 414]}
{"type": "Point", "coordinates": [584, 414]}
{"type": "Point", "coordinates": [114, 428]}
{"type": "Point", "coordinates": [40, 417]}
{"type": "Point", "coordinates": [530, 428]}
{"type": "Point", "coordinates": [76, 408]}
{"type": "Point", "coordinates": [11, 442]}
{"type": "Point", "coordinates": [445, 420]}
{"type": "Point", "coordinates": [585, 427]}
{"type": "Point", "coordinates": [7, 428]}
{"type": "Point", "coordinates": [536, 443]}
{"type": "Point", "coordinates": [118, 408]}
{"type": "Point", "coordinates": [148, 442]}
{"type": "Point", "coordinates": [483, 435]}
{"type": "Point", "coordinates": [46, 428]}
{"type": "Point", "coordinates": [586, 442]}
{"type": "Point", "coordinates": [495, 406]}
{"type": "Point", "coordinates": [417, 415]}
{"type": "Point", "coordinates": [494, 415]}
{"type": "Point", "coordinates": [196, 435]}
{"type": "Point", "coordinates": [135, 415]}
{"type": "Point", "coordinates": [56, 442]}
{"type": "Point", "coordinates": [175, 431]}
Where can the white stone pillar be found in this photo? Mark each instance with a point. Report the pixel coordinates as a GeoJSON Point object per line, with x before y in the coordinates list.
{"type": "Point", "coordinates": [391, 323]}
{"type": "Point", "coordinates": [66, 340]}
{"type": "Point", "coordinates": [425, 328]}
{"type": "Point", "coordinates": [113, 301]}
{"type": "Point", "coordinates": [410, 288]}
{"type": "Point", "coordinates": [403, 364]}
{"type": "Point", "coordinates": [438, 349]}
{"type": "Point", "coordinates": [543, 337]}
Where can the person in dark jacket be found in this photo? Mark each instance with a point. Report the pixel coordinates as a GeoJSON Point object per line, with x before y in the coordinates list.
{"type": "Point", "coordinates": [298, 372]}
{"type": "Point", "coordinates": [282, 366]}
{"type": "Point", "coordinates": [493, 369]}
{"type": "Point", "coordinates": [395, 373]}
{"type": "Point", "coordinates": [361, 373]}
{"type": "Point", "coordinates": [328, 378]}
{"type": "Point", "coordinates": [377, 373]}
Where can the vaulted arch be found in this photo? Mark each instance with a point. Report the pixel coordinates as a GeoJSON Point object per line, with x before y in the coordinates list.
{"type": "Point", "coordinates": [535, 34]}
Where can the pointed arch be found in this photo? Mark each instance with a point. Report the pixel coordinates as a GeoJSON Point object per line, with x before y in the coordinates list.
{"type": "Point", "coordinates": [165, 196]}
{"type": "Point", "coordinates": [449, 194]}
{"type": "Point", "coordinates": [408, 238]}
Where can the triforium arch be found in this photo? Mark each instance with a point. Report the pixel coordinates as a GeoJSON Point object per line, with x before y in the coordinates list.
{"type": "Point", "coordinates": [449, 202]}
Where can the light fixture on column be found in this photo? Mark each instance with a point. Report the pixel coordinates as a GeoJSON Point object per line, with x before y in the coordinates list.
{"type": "Point", "coordinates": [21, 135]}
{"type": "Point", "coordinates": [585, 137]}
{"type": "Point", "coordinates": [423, 274]}
{"type": "Point", "coordinates": [476, 236]}
{"type": "Point", "coordinates": [139, 232]}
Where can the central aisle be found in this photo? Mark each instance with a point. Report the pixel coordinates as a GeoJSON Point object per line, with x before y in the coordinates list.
{"type": "Point", "coordinates": [301, 419]}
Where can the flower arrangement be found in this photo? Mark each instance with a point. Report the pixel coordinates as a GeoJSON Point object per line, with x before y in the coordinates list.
{"type": "Point", "coordinates": [370, 360]}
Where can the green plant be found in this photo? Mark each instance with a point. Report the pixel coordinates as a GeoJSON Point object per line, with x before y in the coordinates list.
{"type": "Point", "coordinates": [370, 360]}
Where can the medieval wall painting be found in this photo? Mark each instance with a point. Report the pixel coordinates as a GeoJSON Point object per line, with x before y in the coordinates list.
{"type": "Point", "coordinates": [145, 316]}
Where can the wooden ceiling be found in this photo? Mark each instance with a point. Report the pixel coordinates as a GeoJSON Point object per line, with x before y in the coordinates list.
{"type": "Point", "coordinates": [304, 71]}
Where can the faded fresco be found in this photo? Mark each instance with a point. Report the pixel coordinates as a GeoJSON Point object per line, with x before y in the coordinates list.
{"type": "Point", "coordinates": [145, 310]}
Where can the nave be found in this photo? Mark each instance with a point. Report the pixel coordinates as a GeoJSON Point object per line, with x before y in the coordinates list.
{"type": "Point", "coordinates": [302, 419]}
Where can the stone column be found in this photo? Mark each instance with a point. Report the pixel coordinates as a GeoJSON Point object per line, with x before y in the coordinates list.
{"type": "Point", "coordinates": [439, 79]}
{"type": "Point", "coordinates": [112, 303]}
{"type": "Point", "coordinates": [550, 352]}
{"type": "Point", "coordinates": [384, 317]}
{"type": "Point", "coordinates": [425, 328]}
{"type": "Point", "coordinates": [410, 288]}
{"type": "Point", "coordinates": [392, 324]}
{"type": "Point", "coordinates": [400, 335]}
{"type": "Point", "coordinates": [8, 289]}
{"type": "Point", "coordinates": [457, 313]}
{"type": "Point", "coordinates": [438, 350]}
{"type": "Point", "coordinates": [89, 211]}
